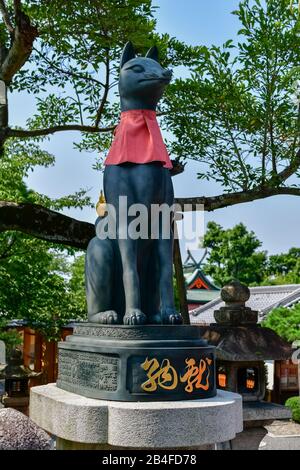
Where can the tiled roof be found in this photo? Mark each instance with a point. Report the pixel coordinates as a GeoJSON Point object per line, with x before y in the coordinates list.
{"type": "Point", "coordinates": [198, 273]}
{"type": "Point", "coordinates": [263, 298]}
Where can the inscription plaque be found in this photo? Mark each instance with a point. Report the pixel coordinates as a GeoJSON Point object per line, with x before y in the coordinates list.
{"type": "Point", "coordinates": [88, 370]}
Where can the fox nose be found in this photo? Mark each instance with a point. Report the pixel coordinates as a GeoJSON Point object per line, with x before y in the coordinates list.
{"type": "Point", "coordinates": [167, 74]}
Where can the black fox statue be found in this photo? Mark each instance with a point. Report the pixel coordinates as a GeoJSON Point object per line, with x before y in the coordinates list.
{"type": "Point", "coordinates": [130, 281]}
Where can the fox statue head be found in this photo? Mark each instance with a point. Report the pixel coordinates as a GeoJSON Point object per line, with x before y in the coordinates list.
{"type": "Point", "coordinates": [142, 79]}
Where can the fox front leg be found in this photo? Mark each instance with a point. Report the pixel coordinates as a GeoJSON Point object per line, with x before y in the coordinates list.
{"type": "Point", "coordinates": [133, 314]}
{"type": "Point", "coordinates": [99, 263]}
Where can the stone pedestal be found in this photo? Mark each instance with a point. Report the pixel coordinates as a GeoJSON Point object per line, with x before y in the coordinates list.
{"type": "Point", "coordinates": [256, 416]}
{"type": "Point", "coordinates": [137, 363]}
{"type": "Point", "coordinates": [282, 435]}
{"type": "Point", "coordinates": [86, 423]}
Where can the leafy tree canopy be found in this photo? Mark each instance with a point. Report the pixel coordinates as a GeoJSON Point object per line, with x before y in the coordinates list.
{"type": "Point", "coordinates": [17, 162]}
{"type": "Point", "coordinates": [238, 112]}
{"type": "Point", "coordinates": [11, 338]}
{"type": "Point", "coordinates": [73, 68]}
{"type": "Point", "coordinates": [284, 268]}
{"type": "Point", "coordinates": [233, 254]}
{"type": "Point", "coordinates": [76, 287]}
{"type": "Point", "coordinates": [286, 322]}
{"type": "Point", "coordinates": [38, 284]}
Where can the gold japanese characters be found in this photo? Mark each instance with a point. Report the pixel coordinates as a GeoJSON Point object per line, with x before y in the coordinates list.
{"type": "Point", "coordinates": [164, 375]}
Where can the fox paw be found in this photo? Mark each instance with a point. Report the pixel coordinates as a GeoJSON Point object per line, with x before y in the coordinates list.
{"type": "Point", "coordinates": [170, 316]}
{"type": "Point", "coordinates": [134, 316]}
{"type": "Point", "coordinates": [109, 317]}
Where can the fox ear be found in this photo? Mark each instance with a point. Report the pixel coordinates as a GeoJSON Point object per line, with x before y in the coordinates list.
{"type": "Point", "coordinates": [127, 54]}
{"type": "Point", "coordinates": [153, 53]}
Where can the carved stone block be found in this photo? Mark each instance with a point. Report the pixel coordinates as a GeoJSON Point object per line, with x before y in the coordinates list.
{"type": "Point", "coordinates": [137, 363]}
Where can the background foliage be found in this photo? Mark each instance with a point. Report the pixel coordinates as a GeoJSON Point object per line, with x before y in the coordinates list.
{"type": "Point", "coordinates": [238, 112]}
{"type": "Point", "coordinates": [294, 404]}
{"type": "Point", "coordinates": [234, 254]}
{"type": "Point", "coordinates": [286, 322]}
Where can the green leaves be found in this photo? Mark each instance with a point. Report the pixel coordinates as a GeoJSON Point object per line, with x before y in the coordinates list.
{"type": "Point", "coordinates": [285, 321]}
{"type": "Point", "coordinates": [75, 61]}
{"type": "Point", "coordinates": [19, 159]}
{"type": "Point", "coordinates": [233, 255]}
{"type": "Point", "coordinates": [76, 287]}
{"type": "Point", "coordinates": [294, 404]}
{"type": "Point", "coordinates": [37, 284]}
{"type": "Point", "coordinates": [54, 110]}
{"type": "Point", "coordinates": [236, 114]}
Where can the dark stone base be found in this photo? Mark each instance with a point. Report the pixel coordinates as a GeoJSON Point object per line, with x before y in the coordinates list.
{"type": "Point", "coordinates": [137, 363]}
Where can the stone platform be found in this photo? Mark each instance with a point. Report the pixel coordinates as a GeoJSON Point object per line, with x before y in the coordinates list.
{"type": "Point", "coordinates": [137, 363]}
{"type": "Point", "coordinates": [86, 423]}
{"type": "Point", "coordinates": [257, 416]}
{"type": "Point", "coordinates": [282, 435]}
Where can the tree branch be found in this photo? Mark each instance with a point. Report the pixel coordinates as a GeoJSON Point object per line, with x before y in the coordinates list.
{"type": "Point", "coordinates": [55, 227]}
{"type": "Point", "coordinates": [45, 224]}
{"type": "Point", "coordinates": [68, 72]}
{"type": "Point", "coordinates": [226, 200]}
{"type": "Point", "coordinates": [24, 35]}
{"type": "Point", "coordinates": [6, 18]}
{"type": "Point", "coordinates": [51, 130]}
{"type": "Point", "coordinates": [17, 7]}
{"type": "Point", "coordinates": [290, 169]}
{"type": "Point", "coordinates": [237, 151]}
{"type": "Point", "coordinates": [106, 91]}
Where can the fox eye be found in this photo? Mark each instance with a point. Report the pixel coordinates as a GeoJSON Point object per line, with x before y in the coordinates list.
{"type": "Point", "coordinates": [137, 68]}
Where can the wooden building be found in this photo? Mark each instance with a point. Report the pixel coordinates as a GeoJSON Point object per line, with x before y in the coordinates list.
{"type": "Point", "coordinates": [39, 354]}
{"type": "Point", "coordinates": [199, 289]}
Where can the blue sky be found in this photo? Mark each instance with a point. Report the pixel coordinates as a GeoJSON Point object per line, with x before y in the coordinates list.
{"type": "Point", "coordinates": [275, 220]}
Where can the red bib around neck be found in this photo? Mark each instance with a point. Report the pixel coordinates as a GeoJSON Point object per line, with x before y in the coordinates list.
{"type": "Point", "coordinates": [137, 139]}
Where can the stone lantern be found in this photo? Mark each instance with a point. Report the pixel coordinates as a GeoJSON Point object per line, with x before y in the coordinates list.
{"type": "Point", "coordinates": [242, 346]}
{"type": "Point", "coordinates": [17, 378]}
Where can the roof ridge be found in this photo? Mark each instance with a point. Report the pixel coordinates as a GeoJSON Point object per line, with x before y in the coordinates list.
{"type": "Point", "coordinates": [275, 287]}
{"type": "Point", "coordinates": [210, 304]}
{"type": "Point", "coordinates": [280, 303]}
{"type": "Point", "coordinates": [288, 297]}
